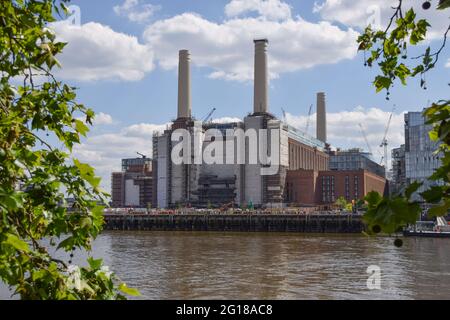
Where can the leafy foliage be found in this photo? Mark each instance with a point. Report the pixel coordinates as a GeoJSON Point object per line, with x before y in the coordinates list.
{"type": "Point", "coordinates": [388, 49]}
{"type": "Point", "coordinates": [391, 213]}
{"type": "Point", "coordinates": [341, 202]}
{"type": "Point", "coordinates": [35, 177]}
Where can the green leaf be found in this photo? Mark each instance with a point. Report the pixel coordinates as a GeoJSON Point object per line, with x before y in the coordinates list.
{"type": "Point", "coordinates": [412, 188]}
{"type": "Point", "coordinates": [17, 243]}
{"type": "Point", "coordinates": [434, 136]}
{"type": "Point", "coordinates": [39, 274]}
{"type": "Point", "coordinates": [95, 264]}
{"type": "Point", "coordinates": [373, 198]}
{"type": "Point", "coordinates": [11, 201]}
{"type": "Point", "coordinates": [440, 210]}
{"type": "Point", "coordinates": [66, 244]}
{"type": "Point", "coordinates": [410, 16]}
{"type": "Point", "coordinates": [433, 195]}
{"type": "Point", "coordinates": [443, 4]}
{"type": "Point", "coordinates": [130, 291]}
{"type": "Point", "coordinates": [85, 222]}
{"type": "Point", "coordinates": [382, 83]}
{"type": "Point", "coordinates": [81, 127]}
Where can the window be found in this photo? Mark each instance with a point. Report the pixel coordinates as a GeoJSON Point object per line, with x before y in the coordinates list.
{"type": "Point", "coordinates": [347, 188]}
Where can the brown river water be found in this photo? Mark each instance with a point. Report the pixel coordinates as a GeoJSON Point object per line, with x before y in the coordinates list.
{"type": "Point", "coordinates": [225, 265]}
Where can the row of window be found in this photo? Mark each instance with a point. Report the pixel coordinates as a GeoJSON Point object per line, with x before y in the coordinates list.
{"type": "Point", "coordinates": [328, 188]}
{"type": "Point", "coordinates": [305, 159]}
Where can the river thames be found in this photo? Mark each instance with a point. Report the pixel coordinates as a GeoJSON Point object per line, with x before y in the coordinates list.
{"type": "Point", "coordinates": [217, 265]}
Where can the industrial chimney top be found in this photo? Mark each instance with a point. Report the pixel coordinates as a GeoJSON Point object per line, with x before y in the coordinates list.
{"type": "Point", "coordinates": [261, 40]}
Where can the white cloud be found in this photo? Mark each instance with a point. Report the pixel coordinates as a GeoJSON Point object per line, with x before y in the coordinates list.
{"type": "Point", "coordinates": [102, 119]}
{"type": "Point", "coordinates": [136, 10]}
{"type": "Point", "coordinates": [105, 151]}
{"type": "Point", "coordinates": [269, 9]}
{"type": "Point", "coordinates": [378, 12]}
{"type": "Point", "coordinates": [144, 130]}
{"type": "Point", "coordinates": [447, 64]}
{"type": "Point", "coordinates": [96, 52]}
{"type": "Point", "coordinates": [343, 128]}
{"type": "Point", "coordinates": [227, 47]}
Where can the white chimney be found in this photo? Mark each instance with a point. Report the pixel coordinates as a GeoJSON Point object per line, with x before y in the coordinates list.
{"type": "Point", "coordinates": [260, 95]}
{"type": "Point", "coordinates": [321, 127]}
{"type": "Point", "coordinates": [184, 85]}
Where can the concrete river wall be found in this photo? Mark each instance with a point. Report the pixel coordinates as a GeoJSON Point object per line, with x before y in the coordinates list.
{"type": "Point", "coordinates": [320, 223]}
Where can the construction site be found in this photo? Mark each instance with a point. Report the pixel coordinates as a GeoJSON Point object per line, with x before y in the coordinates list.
{"type": "Point", "coordinates": [308, 172]}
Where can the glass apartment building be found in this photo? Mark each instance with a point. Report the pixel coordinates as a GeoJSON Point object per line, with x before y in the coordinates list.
{"type": "Point", "coordinates": [354, 159]}
{"type": "Point", "coordinates": [420, 152]}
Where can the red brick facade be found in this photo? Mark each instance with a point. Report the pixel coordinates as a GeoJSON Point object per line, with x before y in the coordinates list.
{"type": "Point", "coordinates": [309, 187]}
{"type": "Point", "coordinates": [305, 157]}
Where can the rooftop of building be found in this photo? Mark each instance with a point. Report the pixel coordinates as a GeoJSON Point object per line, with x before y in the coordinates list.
{"type": "Point", "coordinates": [352, 152]}
{"type": "Point", "coordinates": [305, 138]}
{"type": "Point", "coordinates": [136, 164]}
{"type": "Point", "coordinates": [293, 132]}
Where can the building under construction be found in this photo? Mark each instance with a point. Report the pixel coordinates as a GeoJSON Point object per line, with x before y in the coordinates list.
{"type": "Point", "coordinates": [203, 184]}
{"type": "Point", "coordinates": [133, 186]}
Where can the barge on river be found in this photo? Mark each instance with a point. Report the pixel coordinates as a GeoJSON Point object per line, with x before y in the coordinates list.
{"type": "Point", "coordinates": [438, 229]}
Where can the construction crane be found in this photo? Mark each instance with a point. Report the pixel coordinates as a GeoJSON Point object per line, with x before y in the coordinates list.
{"type": "Point", "coordinates": [384, 142]}
{"type": "Point", "coordinates": [208, 116]}
{"type": "Point", "coordinates": [142, 155]}
{"type": "Point", "coordinates": [284, 114]}
{"type": "Point", "coordinates": [365, 138]}
{"type": "Point", "coordinates": [307, 119]}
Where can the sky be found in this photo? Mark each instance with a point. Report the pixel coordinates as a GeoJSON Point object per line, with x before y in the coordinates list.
{"type": "Point", "coordinates": [122, 56]}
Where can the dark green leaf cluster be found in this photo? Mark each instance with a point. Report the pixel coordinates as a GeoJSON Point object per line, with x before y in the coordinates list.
{"type": "Point", "coordinates": [391, 213]}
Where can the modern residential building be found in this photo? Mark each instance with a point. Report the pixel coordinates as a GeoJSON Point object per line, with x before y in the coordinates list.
{"type": "Point", "coordinates": [355, 159]}
{"type": "Point", "coordinates": [133, 186]}
{"type": "Point", "coordinates": [421, 158]}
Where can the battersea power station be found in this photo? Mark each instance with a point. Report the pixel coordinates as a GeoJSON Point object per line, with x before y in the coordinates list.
{"type": "Point", "coordinates": [261, 161]}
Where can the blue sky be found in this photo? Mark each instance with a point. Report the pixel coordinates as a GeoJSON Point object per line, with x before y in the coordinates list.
{"type": "Point", "coordinates": [123, 60]}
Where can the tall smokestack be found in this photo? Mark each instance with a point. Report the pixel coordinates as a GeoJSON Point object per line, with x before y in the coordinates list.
{"type": "Point", "coordinates": [321, 127]}
{"type": "Point", "coordinates": [184, 85]}
{"type": "Point", "coordinates": [260, 79]}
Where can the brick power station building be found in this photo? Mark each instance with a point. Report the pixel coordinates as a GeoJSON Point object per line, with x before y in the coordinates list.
{"type": "Point", "coordinates": [304, 176]}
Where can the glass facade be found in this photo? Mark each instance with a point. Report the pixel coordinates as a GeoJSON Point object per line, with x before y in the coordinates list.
{"type": "Point", "coordinates": [355, 159]}
{"type": "Point", "coordinates": [421, 158]}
